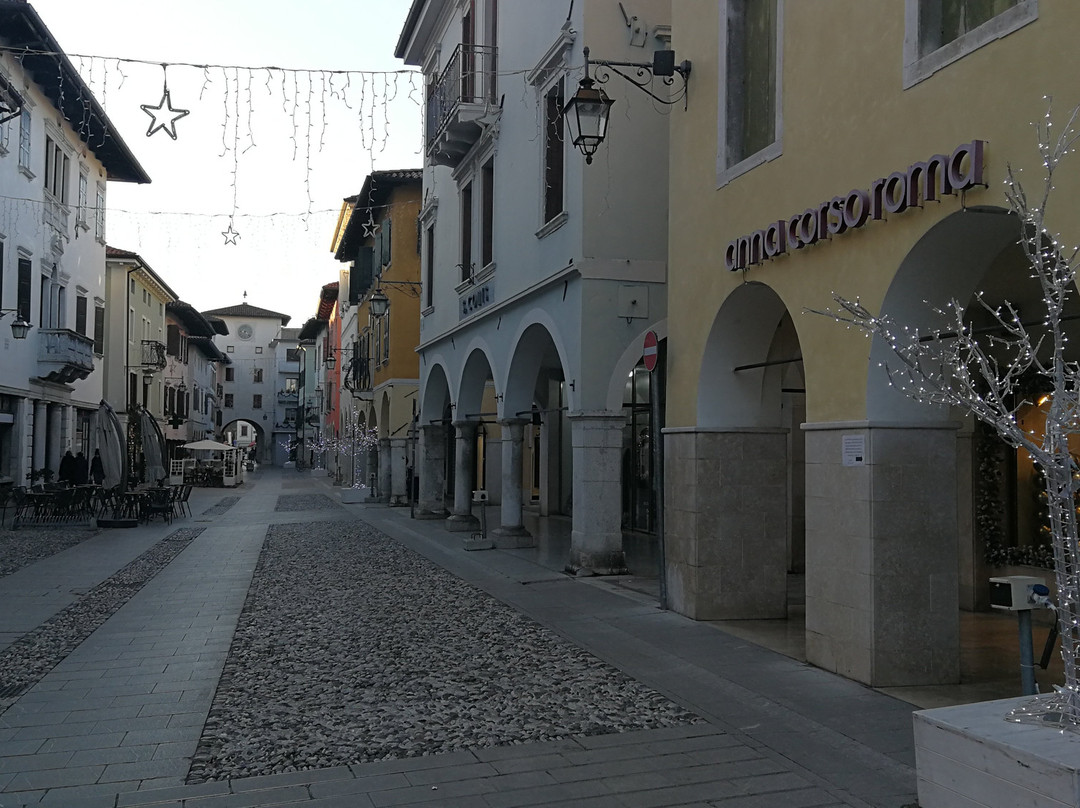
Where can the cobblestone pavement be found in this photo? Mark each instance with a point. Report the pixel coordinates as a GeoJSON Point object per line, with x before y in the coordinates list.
{"type": "Point", "coordinates": [388, 666]}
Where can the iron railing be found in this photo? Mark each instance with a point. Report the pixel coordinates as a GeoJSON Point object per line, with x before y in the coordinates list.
{"type": "Point", "coordinates": [468, 78]}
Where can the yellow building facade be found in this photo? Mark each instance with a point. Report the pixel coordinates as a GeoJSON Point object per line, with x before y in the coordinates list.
{"type": "Point", "coordinates": [799, 170]}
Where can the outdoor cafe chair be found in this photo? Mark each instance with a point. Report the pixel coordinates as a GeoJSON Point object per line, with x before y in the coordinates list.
{"type": "Point", "coordinates": [159, 503]}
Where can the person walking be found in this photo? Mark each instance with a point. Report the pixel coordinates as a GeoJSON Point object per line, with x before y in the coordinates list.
{"type": "Point", "coordinates": [67, 468]}
{"type": "Point", "coordinates": [81, 470]}
{"type": "Point", "coordinates": [97, 469]}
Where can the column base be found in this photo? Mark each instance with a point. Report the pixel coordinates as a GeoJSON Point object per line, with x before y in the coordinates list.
{"type": "Point", "coordinates": [512, 537]}
{"type": "Point", "coordinates": [608, 563]}
{"type": "Point", "coordinates": [462, 523]}
{"type": "Point", "coordinates": [430, 513]}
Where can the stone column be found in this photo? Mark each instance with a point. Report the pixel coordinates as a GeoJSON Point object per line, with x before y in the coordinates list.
{"type": "Point", "coordinates": [462, 519]}
{"type": "Point", "coordinates": [399, 486]}
{"type": "Point", "coordinates": [596, 538]}
{"type": "Point", "coordinates": [22, 445]}
{"type": "Point", "coordinates": [41, 425]}
{"type": "Point", "coordinates": [512, 533]}
{"type": "Point", "coordinates": [385, 473]}
{"type": "Point", "coordinates": [54, 448]}
{"type": "Point", "coordinates": [882, 590]}
{"type": "Point", "coordinates": [431, 458]}
{"type": "Point", "coordinates": [726, 522]}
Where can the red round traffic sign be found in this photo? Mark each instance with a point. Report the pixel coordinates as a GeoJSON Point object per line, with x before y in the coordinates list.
{"type": "Point", "coordinates": [649, 351]}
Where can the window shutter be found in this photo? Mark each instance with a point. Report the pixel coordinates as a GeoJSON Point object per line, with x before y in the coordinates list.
{"type": "Point", "coordinates": [80, 315]}
{"type": "Point", "coordinates": [173, 340]}
{"type": "Point", "coordinates": [385, 233]}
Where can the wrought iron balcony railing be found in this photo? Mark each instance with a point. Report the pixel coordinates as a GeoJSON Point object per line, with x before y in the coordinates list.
{"type": "Point", "coordinates": [468, 80]}
{"type": "Point", "coordinates": [153, 354]}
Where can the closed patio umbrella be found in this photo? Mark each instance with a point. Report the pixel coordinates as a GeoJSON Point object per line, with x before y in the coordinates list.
{"type": "Point", "coordinates": [153, 442]}
{"type": "Point", "coordinates": [110, 442]}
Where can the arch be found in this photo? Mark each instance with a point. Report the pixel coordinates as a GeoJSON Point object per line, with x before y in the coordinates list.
{"type": "Point", "coordinates": [535, 355]}
{"type": "Point", "coordinates": [435, 396]}
{"type": "Point", "coordinates": [384, 414]}
{"type": "Point", "coordinates": [475, 375]}
{"type": "Point", "coordinates": [627, 362]}
{"type": "Point", "coordinates": [948, 262]}
{"type": "Point", "coordinates": [747, 331]}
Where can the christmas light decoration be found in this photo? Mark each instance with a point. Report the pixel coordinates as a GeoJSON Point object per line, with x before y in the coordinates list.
{"type": "Point", "coordinates": [987, 373]}
{"type": "Point", "coordinates": [163, 117]}
{"type": "Point", "coordinates": [231, 235]}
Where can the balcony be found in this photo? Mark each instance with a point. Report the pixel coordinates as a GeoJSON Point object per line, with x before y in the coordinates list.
{"type": "Point", "coordinates": [64, 356]}
{"type": "Point", "coordinates": [458, 103]}
{"type": "Point", "coordinates": [153, 355]}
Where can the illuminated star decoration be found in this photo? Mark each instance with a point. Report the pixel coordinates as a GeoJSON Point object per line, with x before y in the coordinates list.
{"type": "Point", "coordinates": [230, 235]}
{"type": "Point", "coordinates": [370, 227]}
{"type": "Point", "coordinates": [163, 116]}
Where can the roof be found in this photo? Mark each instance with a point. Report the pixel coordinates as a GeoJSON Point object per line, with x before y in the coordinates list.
{"type": "Point", "coordinates": [312, 328]}
{"type": "Point", "coordinates": [208, 348]}
{"type": "Point", "coordinates": [409, 28]}
{"type": "Point", "coordinates": [248, 311]}
{"type": "Point", "coordinates": [116, 254]}
{"type": "Point", "coordinates": [22, 30]}
{"type": "Point", "coordinates": [374, 195]}
{"type": "Point", "coordinates": [196, 324]}
{"type": "Point", "coordinates": [327, 298]}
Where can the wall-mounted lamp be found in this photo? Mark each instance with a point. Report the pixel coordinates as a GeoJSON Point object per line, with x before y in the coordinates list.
{"type": "Point", "coordinates": [586, 114]}
{"type": "Point", "coordinates": [19, 327]}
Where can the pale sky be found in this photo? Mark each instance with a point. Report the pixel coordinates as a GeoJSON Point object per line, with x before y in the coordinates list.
{"type": "Point", "coordinates": [281, 149]}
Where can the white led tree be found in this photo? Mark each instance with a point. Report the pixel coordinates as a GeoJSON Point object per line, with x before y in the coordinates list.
{"type": "Point", "coordinates": [986, 372]}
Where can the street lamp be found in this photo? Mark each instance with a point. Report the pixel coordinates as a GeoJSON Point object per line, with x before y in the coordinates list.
{"type": "Point", "coordinates": [19, 327]}
{"type": "Point", "coordinates": [586, 113]}
{"type": "Point", "coordinates": [378, 303]}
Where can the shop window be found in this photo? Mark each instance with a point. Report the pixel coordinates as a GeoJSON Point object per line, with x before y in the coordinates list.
{"type": "Point", "coordinates": [750, 107]}
{"type": "Point", "coordinates": [938, 32]}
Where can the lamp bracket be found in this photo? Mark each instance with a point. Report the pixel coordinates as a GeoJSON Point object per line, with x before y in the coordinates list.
{"type": "Point", "coordinates": [643, 74]}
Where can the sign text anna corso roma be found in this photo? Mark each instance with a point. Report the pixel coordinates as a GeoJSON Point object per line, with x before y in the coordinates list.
{"type": "Point", "coordinates": [920, 182]}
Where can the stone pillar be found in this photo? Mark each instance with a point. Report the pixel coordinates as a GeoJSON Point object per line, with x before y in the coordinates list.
{"type": "Point", "coordinates": [462, 519]}
{"type": "Point", "coordinates": [22, 444]}
{"type": "Point", "coordinates": [431, 458]}
{"type": "Point", "coordinates": [54, 450]}
{"type": "Point", "coordinates": [881, 552]}
{"type": "Point", "coordinates": [385, 473]}
{"type": "Point", "coordinates": [41, 425]}
{"type": "Point", "coordinates": [512, 533]}
{"type": "Point", "coordinates": [596, 538]}
{"type": "Point", "coordinates": [399, 461]}
{"type": "Point", "coordinates": [726, 522]}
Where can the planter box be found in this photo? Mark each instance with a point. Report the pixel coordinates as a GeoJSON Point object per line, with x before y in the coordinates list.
{"type": "Point", "coordinates": [971, 757]}
{"type": "Point", "coordinates": [352, 496]}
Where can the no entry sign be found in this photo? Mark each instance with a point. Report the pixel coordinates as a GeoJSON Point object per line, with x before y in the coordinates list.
{"type": "Point", "coordinates": [649, 351]}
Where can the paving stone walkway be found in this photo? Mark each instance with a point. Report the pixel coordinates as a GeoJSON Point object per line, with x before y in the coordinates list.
{"type": "Point", "coordinates": [116, 723]}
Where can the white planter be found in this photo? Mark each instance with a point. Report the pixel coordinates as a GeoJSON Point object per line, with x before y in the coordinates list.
{"type": "Point", "coordinates": [971, 756]}
{"type": "Point", "coordinates": [351, 496]}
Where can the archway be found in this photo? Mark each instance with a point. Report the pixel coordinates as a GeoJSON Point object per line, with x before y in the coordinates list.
{"type": "Point", "coordinates": [473, 420]}
{"type": "Point", "coordinates": [736, 471]}
{"type": "Point", "coordinates": [435, 455]}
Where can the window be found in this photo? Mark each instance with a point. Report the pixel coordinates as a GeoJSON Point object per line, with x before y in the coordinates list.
{"type": "Point", "coordinates": [257, 375]}
{"type": "Point", "coordinates": [429, 269]}
{"type": "Point", "coordinates": [378, 342]}
{"type": "Point", "coordinates": [99, 214]}
{"type": "Point", "coordinates": [228, 401]}
{"type": "Point", "coordinates": [80, 314]}
{"type": "Point", "coordinates": [256, 402]}
{"type": "Point", "coordinates": [84, 199]}
{"type": "Point", "coordinates": [24, 141]}
{"type": "Point", "coordinates": [99, 330]}
{"type": "Point", "coordinates": [292, 354]}
{"type": "Point", "coordinates": [941, 31]}
{"type": "Point", "coordinates": [487, 215]}
{"type": "Point", "coordinates": [554, 152]}
{"type": "Point", "coordinates": [290, 385]}
{"type": "Point", "coordinates": [230, 374]}
{"type": "Point", "coordinates": [751, 34]}
{"type": "Point", "coordinates": [56, 170]}
{"type": "Point", "coordinates": [5, 137]}
{"type": "Point", "coordinates": [386, 336]}
{"type": "Point", "coordinates": [466, 232]}
{"type": "Point", "coordinates": [25, 287]}
{"type": "Point", "coordinates": [258, 349]}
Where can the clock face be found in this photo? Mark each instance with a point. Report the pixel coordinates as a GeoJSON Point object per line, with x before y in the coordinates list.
{"type": "Point", "coordinates": [244, 331]}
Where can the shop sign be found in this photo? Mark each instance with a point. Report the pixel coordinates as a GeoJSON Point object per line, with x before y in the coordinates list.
{"type": "Point", "coordinates": [475, 300]}
{"type": "Point", "coordinates": [920, 182]}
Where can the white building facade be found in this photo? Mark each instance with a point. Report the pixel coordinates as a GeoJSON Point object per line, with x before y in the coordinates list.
{"type": "Point", "coordinates": [541, 275]}
{"type": "Point", "coordinates": [57, 152]}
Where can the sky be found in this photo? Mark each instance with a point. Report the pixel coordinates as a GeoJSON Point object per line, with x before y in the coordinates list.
{"type": "Point", "coordinates": [271, 152]}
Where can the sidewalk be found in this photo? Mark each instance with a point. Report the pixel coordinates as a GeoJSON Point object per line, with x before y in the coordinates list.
{"type": "Point", "coordinates": [116, 723]}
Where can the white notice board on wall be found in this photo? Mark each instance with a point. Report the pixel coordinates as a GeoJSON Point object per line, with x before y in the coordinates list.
{"type": "Point", "coordinates": [853, 450]}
